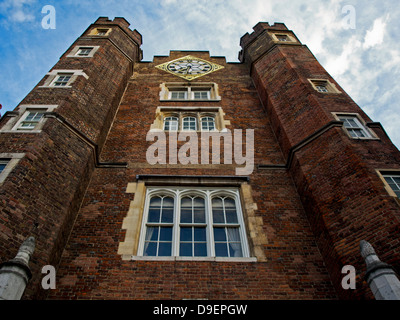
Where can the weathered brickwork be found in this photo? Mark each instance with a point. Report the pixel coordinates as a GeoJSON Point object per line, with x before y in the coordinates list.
{"type": "Point", "coordinates": [313, 194]}
{"type": "Point", "coordinates": [43, 193]}
{"type": "Point", "coordinates": [335, 175]}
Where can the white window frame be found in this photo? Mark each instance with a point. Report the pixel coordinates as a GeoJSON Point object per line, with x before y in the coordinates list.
{"type": "Point", "coordinates": [177, 193]}
{"type": "Point", "coordinates": [198, 116]}
{"type": "Point", "coordinates": [208, 129]}
{"type": "Point", "coordinates": [387, 173]}
{"type": "Point", "coordinates": [11, 160]}
{"type": "Point", "coordinates": [361, 126]}
{"type": "Point", "coordinates": [77, 49]}
{"type": "Point", "coordinates": [54, 75]}
{"type": "Point", "coordinates": [329, 87]}
{"type": "Point", "coordinates": [210, 88]}
{"type": "Point", "coordinates": [172, 92]}
{"type": "Point", "coordinates": [13, 125]}
{"type": "Point", "coordinates": [33, 123]}
{"type": "Point", "coordinates": [171, 118]}
{"type": "Point", "coordinates": [201, 92]}
{"type": "Point", "coordinates": [391, 176]}
{"type": "Point", "coordinates": [191, 117]}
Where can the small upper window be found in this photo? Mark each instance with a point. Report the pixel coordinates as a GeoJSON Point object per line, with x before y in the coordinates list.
{"type": "Point", "coordinates": [3, 164]}
{"type": "Point", "coordinates": [189, 124]}
{"type": "Point", "coordinates": [62, 79]}
{"type": "Point", "coordinates": [282, 37]}
{"type": "Point", "coordinates": [102, 32]}
{"type": "Point", "coordinates": [195, 91]}
{"type": "Point", "coordinates": [394, 182]}
{"type": "Point", "coordinates": [354, 127]}
{"type": "Point", "coordinates": [31, 120]}
{"type": "Point", "coordinates": [178, 95]}
{"type": "Point", "coordinates": [84, 51]}
{"type": "Point", "coordinates": [207, 124]}
{"type": "Point", "coordinates": [171, 124]}
{"type": "Point", "coordinates": [323, 86]}
{"type": "Point", "coordinates": [201, 95]}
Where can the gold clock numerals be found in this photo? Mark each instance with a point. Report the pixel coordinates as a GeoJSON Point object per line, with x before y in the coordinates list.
{"type": "Point", "coordinates": [189, 67]}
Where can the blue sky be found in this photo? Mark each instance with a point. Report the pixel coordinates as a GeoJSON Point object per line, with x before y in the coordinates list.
{"type": "Point", "coordinates": [356, 41]}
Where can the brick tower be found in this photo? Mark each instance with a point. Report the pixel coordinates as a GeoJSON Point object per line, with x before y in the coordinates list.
{"type": "Point", "coordinates": [341, 162]}
{"type": "Point", "coordinates": [124, 214]}
{"type": "Point", "coordinates": [51, 142]}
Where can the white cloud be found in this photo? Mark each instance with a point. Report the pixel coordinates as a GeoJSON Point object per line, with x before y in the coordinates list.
{"type": "Point", "coordinates": [376, 34]}
{"type": "Point", "coordinates": [17, 11]}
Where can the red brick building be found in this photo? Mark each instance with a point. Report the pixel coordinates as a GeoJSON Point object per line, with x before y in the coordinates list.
{"type": "Point", "coordinates": [274, 213]}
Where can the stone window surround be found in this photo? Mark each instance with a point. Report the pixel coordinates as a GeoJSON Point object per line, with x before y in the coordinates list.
{"type": "Point", "coordinates": [372, 134]}
{"type": "Point", "coordinates": [290, 36]}
{"type": "Point", "coordinates": [381, 173]}
{"type": "Point", "coordinates": [13, 158]}
{"type": "Point", "coordinates": [95, 31]}
{"type": "Point", "coordinates": [52, 77]}
{"type": "Point", "coordinates": [20, 114]}
{"type": "Point", "coordinates": [177, 193]}
{"type": "Point", "coordinates": [75, 50]}
{"type": "Point", "coordinates": [132, 223]}
{"type": "Point", "coordinates": [331, 88]}
{"type": "Point", "coordinates": [166, 88]}
{"type": "Point", "coordinates": [199, 112]}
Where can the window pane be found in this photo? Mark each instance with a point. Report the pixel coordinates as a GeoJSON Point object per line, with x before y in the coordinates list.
{"type": "Point", "coordinates": [235, 250]}
{"type": "Point", "coordinates": [199, 210]}
{"type": "Point", "coordinates": [217, 210]}
{"type": "Point", "coordinates": [166, 234]}
{"type": "Point", "coordinates": [152, 234]}
{"type": "Point", "coordinates": [186, 210]}
{"type": "Point", "coordinates": [185, 249]}
{"type": "Point", "coordinates": [167, 210]}
{"type": "Point", "coordinates": [200, 250]}
{"type": "Point", "coordinates": [164, 249]}
{"type": "Point", "coordinates": [154, 210]}
{"type": "Point", "coordinates": [230, 210]}
{"type": "Point", "coordinates": [200, 234]}
{"type": "Point", "coordinates": [2, 166]}
{"type": "Point", "coordinates": [150, 249]}
{"type": "Point", "coordinates": [186, 234]}
{"type": "Point", "coordinates": [219, 234]}
{"type": "Point", "coordinates": [221, 250]}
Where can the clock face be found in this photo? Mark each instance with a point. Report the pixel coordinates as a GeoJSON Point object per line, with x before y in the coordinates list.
{"type": "Point", "coordinates": [189, 67]}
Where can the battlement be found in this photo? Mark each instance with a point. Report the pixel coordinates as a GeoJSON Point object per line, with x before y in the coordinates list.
{"type": "Point", "coordinates": [258, 29]}
{"type": "Point", "coordinates": [124, 24]}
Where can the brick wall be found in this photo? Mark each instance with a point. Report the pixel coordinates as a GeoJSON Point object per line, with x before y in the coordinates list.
{"type": "Point", "coordinates": [43, 193]}
{"type": "Point", "coordinates": [335, 175]}
{"type": "Point", "coordinates": [91, 267]}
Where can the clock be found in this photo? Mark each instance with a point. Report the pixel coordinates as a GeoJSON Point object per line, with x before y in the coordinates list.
{"type": "Point", "coordinates": [189, 67]}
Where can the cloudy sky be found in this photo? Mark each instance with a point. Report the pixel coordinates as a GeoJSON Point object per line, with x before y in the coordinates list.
{"type": "Point", "coordinates": [356, 41]}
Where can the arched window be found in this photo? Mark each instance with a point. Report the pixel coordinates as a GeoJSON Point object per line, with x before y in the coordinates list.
{"type": "Point", "coordinates": [193, 223]}
{"type": "Point", "coordinates": [226, 227]}
{"type": "Point", "coordinates": [171, 124]}
{"type": "Point", "coordinates": [189, 123]}
{"type": "Point", "coordinates": [158, 240]}
{"type": "Point", "coordinates": [207, 124]}
{"type": "Point", "coordinates": [193, 233]}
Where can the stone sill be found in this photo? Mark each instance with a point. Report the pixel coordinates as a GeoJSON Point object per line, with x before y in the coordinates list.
{"type": "Point", "coordinates": [200, 259]}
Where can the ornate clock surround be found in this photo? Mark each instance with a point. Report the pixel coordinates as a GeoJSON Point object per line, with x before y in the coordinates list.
{"type": "Point", "coordinates": [189, 67]}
